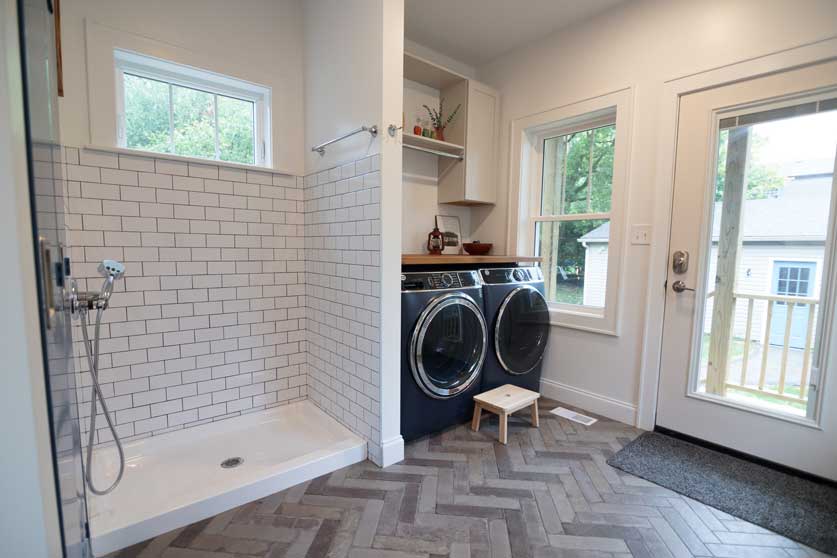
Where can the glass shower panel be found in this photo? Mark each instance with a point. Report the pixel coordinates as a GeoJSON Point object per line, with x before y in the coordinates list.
{"type": "Point", "coordinates": [47, 188]}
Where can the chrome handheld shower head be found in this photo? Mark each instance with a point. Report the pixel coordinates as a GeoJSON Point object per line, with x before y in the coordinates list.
{"type": "Point", "coordinates": [112, 269]}
{"type": "Point", "coordinates": [82, 301]}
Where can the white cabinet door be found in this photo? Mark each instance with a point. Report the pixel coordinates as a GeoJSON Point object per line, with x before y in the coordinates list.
{"type": "Point", "coordinates": [472, 181]}
{"type": "Point", "coordinates": [481, 143]}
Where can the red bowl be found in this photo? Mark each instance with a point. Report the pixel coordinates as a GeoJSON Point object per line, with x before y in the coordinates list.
{"type": "Point", "coordinates": [477, 248]}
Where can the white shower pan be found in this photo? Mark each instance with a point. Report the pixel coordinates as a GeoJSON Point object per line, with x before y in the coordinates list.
{"type": "Point", "coordinates": [175, 479]}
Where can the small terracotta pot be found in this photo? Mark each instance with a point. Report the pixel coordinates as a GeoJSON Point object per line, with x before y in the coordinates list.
{"type": "Point", "coordinates": [440, 134]}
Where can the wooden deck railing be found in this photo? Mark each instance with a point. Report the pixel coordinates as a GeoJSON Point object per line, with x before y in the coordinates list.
{"type": "Point", "coordinates": [791, 303]}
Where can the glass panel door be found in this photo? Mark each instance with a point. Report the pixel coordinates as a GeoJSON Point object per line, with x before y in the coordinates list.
{"type": "Point", "coordinates": [749, 347]}
{"type": "Point", "coordinates": [770, 222]}
{"type": "Point", "coordinates": [522, 330]}
{"type": "Point", "coordinates": [448, 346]}
{"type": "Point", "coordinates": [47, 193]}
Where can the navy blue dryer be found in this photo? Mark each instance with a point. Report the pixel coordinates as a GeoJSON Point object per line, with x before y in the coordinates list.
{"type": "Point", "coordinates": [518, 319]}
{"type": "Point", "coordinates": [444, 340]}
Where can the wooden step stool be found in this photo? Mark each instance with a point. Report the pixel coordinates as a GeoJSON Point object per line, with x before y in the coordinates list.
{"type": "Point", "coordinates": [504, 401]}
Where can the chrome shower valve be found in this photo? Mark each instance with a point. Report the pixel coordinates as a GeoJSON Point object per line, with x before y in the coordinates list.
{"type": "Point", "coordinates": [82, 301]}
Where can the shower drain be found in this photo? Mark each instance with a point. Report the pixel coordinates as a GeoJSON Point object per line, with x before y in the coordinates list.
{"type": "Point", "coordinates": [231, 462]}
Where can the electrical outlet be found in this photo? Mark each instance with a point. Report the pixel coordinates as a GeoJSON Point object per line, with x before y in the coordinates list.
{"type": "Point", "coordinates": [641, 234]}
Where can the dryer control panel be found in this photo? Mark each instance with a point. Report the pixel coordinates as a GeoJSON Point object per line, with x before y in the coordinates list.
{"type": "Point", "coordinates": [439, 280]}
{"type": "Point", "coordinates": [511, 275]}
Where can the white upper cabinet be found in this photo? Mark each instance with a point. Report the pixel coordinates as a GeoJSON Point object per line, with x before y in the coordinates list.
{"type": "Point", "coordinates": [468, 178]}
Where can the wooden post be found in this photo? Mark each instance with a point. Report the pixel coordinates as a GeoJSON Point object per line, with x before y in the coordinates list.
{"type": "Point", "coordinates": [786, 346]}
{"type": "Point", "coordinates": [806, 355]}
{"type": "Point", "coordinates": [765, 346]}
{"type": "Point", "coordinates": [729, 246]}
{"type": "Point", "coordinates": [551, 203]}
{"type": "Point", "coordinates": [745, 357]}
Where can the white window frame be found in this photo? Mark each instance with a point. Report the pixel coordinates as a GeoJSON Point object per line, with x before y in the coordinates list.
{"type": "Point", "coordinates": [195, 78]}
{"type": "Point", "coordinates": [528, 135]}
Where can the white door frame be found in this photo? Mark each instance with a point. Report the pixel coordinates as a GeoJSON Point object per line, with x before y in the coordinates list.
{"type": "Point", "coordinates": [673, 89]}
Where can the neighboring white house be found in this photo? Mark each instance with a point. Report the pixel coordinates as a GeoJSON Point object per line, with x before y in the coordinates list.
{"type": "Point", "coordinates": [595, 265]}
{"type": "Point", "coordinates": [782, 252]}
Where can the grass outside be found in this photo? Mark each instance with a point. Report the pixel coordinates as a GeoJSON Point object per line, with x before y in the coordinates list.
{"type": "Point", "coordinates": [736, 348]}
{"type": "Point", "coordinates": [568, 293]}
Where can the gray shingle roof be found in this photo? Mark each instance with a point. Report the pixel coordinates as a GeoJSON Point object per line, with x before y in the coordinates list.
{"type": "Point", "coordinates": [798, 214]}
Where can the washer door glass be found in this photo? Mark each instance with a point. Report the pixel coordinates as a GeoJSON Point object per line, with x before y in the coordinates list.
{"type": "Point", "coordinates": [448, 345]}
{"type": "Point", "coordinates": [522, 330]}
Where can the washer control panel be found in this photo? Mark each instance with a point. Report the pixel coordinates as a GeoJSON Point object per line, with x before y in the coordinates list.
{"type": "Point", "coordinates": [511, 275]}
{"type": "Point", "coordinates": [439, 280]}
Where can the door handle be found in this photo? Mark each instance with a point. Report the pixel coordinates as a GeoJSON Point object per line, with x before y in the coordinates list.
{"type": "Point", "coordinates": [680, 286]}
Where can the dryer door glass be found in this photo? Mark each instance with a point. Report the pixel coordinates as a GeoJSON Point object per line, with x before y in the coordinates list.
{"type": "Point", "coordinates": [522, 330]}
{"type": "Point", "coordinates": [448, 345]}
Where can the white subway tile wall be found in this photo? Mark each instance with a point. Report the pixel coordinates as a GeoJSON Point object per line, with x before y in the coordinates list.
{"type": "Point", "coordinates": [209, 321]}
{"type": "Point", "coordinates": [342, 262]}
{"type": "Point", "coordinates": [50, 189]}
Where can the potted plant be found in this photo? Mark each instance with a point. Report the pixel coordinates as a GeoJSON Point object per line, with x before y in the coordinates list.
{"type": "Point", "coordinates": [438, 119]}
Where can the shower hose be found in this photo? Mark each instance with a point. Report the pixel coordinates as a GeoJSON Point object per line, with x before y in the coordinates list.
{"type": "Point", "coordinates": [92, 350]}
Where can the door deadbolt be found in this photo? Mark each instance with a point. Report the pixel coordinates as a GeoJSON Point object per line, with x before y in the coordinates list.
{"type": "Point", "coordinates": [680, 262]}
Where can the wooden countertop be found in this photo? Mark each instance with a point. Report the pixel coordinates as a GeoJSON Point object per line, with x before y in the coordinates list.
{"type": "Point", "coordinates": [444, 259]}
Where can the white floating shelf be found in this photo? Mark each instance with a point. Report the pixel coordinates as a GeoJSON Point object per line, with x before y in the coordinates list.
{"type": "Point", "coordinates": [430, 143]}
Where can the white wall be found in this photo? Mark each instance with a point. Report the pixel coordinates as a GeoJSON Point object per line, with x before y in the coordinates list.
{"type": "Point", "coordinates": [353, 77]}
{"type": "Point", "coordinates": [342, 69]}
{"type": "Point", "coordinates": [392, 105]}
{"type": "Point", "coordinates": [439, 58]}
{"type": "Point", "coordinates": [640, 44]}
{"type": "Point", "coordinates": [258, 41]}
{"type": "Point", "coordinates": [420, 203]}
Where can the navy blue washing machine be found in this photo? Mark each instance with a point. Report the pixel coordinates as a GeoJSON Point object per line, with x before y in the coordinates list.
{"type": "Point", "coordinates": [518, 318]}
{"type": "Point", "coordinates": [444, 341]}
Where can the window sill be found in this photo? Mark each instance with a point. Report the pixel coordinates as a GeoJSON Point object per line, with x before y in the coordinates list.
{"type": "Point", "coordinates": [185, 159]}
{"type": "Point", "coordinates": [590, 322]}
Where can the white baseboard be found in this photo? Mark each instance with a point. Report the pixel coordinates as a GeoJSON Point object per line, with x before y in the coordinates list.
{"type": "Point", "coordinates": [392, 451]}
{"type": "Point", "coordinates": [589, 401]}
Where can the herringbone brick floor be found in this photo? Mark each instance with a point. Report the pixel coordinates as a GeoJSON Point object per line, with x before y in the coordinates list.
{"type": "Point", "coordinates": [548, 493]}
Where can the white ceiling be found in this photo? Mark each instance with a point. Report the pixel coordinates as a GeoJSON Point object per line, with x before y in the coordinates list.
{"type": "Point", "coordinates": [477, 31]}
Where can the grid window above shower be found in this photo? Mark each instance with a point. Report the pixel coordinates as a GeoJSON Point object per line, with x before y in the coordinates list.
{"type": "Point", "coordinates": [164, 107]}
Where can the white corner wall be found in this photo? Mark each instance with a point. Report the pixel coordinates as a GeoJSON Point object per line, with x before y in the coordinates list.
{"type": "Point", "coordinates": [342, 69]}
{"type": "Point", "coordinates": [641, 45]}
{"type": "Point", "coordinates": [258, 41]}
{"type": "Point", "coordinates": [353, 77]}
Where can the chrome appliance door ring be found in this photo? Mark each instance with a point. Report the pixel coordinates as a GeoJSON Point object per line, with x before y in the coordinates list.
{"type": "Point", "coordinates": [417, 340]}
{"type": "Point", "coordinates": [500, 314]}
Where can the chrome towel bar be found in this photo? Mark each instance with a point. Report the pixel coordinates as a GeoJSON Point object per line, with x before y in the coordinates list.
{"type": "Point", "coordinates": [373, 131]}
